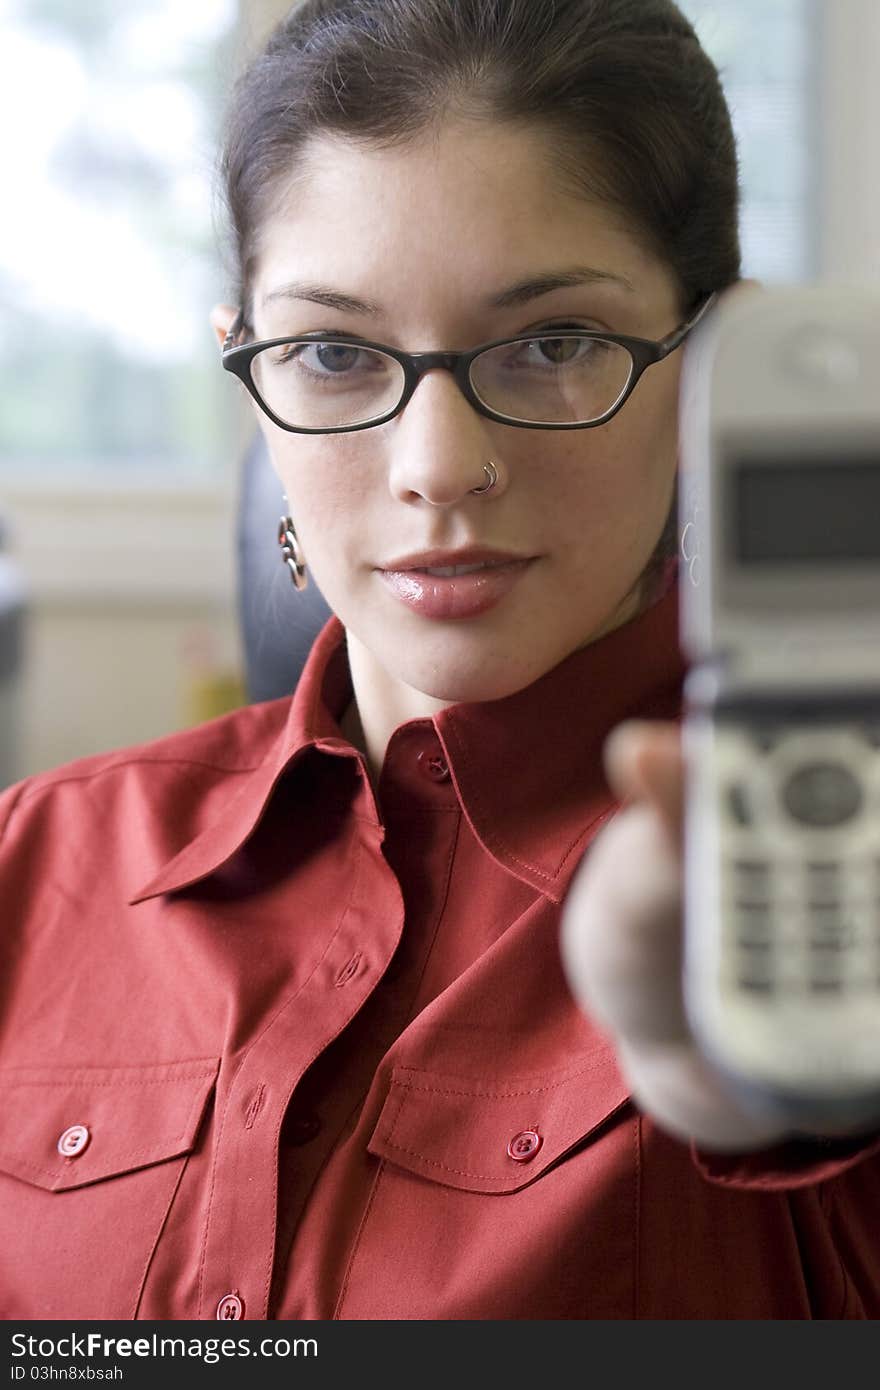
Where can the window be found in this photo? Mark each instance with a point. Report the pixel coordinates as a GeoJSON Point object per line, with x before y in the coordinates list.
{"type": "Point", "coordinates": [766, 57]}
{"type": "Point", "coordinates": [108, 259]}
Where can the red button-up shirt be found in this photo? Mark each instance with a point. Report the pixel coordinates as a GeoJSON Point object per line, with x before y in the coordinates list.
{"type": "Point", "coordinates": [272, 1046]}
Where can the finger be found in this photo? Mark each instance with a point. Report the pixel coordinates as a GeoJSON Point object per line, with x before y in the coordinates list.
{"type": "Point", "coordinates": [676, 1086]}
{"type": "Point", "coordinates": [644, 762]}
{"type": "Point", "coordinates": [621, 930]}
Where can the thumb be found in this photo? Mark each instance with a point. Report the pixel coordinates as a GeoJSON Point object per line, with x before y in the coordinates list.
{"type": "Point", "coordinates": [644, 762]}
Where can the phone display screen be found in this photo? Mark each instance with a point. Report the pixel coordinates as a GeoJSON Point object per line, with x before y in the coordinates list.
{"type": "Point", "coordinates": [825, 512]}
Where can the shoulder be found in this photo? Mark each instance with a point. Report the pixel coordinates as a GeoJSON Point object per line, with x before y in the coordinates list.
{"type": "Point", "coordinates": [162, 774]}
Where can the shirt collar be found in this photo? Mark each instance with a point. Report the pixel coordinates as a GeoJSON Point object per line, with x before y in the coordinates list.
{"type": "Point", "coordinates": [527, 768]}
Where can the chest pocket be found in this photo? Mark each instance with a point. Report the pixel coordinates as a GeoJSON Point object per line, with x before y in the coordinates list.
{"type": "Point", "coordinates": [90, 1158]}
{"type": "Point", "coordinates": [492, 1138]}
{"type": "Point", "coordinates": [499, 1198]}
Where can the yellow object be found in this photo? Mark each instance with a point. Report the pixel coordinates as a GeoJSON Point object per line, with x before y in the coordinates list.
{"type": "Point", "coordinates": [210, 695]}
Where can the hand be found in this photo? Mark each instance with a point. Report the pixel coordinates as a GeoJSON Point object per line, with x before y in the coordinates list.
{"type": "Point", "coordinates": [622, 945]}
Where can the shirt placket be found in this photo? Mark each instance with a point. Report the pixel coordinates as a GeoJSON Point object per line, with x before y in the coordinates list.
{"type": "Point", "coordinates": [334, 1174]}
{"type": "Point", "coordinates": [239, 1244]}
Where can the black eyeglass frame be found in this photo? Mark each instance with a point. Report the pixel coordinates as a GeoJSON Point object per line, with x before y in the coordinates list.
{"type": "Point", "coordinates": [643, 351]}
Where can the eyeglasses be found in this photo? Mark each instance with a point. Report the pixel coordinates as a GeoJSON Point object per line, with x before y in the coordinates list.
{"type": "Point", "coordinates": [564, 380]}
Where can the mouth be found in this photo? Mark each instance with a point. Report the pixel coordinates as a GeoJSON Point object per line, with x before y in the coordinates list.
{"type": "Point", "coordinates": [461, 584]}
{"type": "Point", "coordinates": [448, 564]}
{"type": "Point", "coordinates": [453, 571]}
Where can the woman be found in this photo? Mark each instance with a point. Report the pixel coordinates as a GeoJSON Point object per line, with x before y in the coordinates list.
{"type": "Point", "coordinates": [287, 1032]}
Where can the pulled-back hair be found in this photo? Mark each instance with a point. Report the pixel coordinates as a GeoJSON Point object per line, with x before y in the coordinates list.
{"type": "Point", "coordinates": [632, 105]}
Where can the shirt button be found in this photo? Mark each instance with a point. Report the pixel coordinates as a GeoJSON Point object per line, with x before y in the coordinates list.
{"type": "Point", "coordinates": [73, 1141]}
{"type": "Point", "coordinates": [301, 1128]}
{"type": "Point", "coordinates": [524, 1145]}
{"type": "Point", "coordinates": [230, 1308]}
{"type": "Point", "coordinates": [433, 766]}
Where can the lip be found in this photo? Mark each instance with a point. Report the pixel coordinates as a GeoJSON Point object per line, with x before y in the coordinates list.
{"type": "Point", "coordinates": [454, 596]}
{"type": "Point", "coordinates": [468, 555]}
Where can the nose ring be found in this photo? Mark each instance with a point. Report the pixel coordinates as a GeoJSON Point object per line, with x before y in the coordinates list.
{"type": "Point", "coordinates": [491, 473]}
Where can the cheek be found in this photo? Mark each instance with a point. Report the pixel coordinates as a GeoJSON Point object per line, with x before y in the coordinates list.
{"type": "Point", "coordinates": [642, 442]}
{"type": "Point", "coordinates": [603, 496]}
{"type": "Point", "coordinates": [661, 385]}
{"type": "Point", "coordinates": [591, 483]}
{"type": "Point", "coordinates": [327, 493]}
{"type": "Point", "coordinates": [649, 418]}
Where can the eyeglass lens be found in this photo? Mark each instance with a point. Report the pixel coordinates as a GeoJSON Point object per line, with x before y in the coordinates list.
{"type": "Point", "coordinates": [559, 380]}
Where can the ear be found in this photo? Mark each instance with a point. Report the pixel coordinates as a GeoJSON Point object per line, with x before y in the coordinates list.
{"type": "Point", "coordinates": [222, 317]}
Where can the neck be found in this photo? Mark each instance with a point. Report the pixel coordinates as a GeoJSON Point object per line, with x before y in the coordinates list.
{"type": "Point", "coordinates": [381, 704]}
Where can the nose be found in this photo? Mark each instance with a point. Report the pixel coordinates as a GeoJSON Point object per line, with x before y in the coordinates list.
{"type": "Point", "coordinates": [440, 445]}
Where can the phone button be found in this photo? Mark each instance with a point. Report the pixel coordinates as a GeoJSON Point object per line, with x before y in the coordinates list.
{"type": "Point", "coordinates": [738, 805]}
{"type": "Point", "coordinates": [755, 981]}
{"type": "Point", "coordinates": [760, 867]}
{"type": "Point", "coordinates": [826, 984]}
{"type": "Point", "coordinates": [822, 794]}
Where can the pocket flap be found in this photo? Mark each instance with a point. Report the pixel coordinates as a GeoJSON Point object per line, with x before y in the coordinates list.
{"type": "Point", "coordinates": [464, 1133]}
{"type": "Point", "coordinates": [116, 1119]}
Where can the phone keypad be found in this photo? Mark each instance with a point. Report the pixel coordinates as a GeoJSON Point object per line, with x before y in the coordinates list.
{"type": "Point", "coordinates": [807, 940]}
{"type": "Point", "coordinates": [800, 884]}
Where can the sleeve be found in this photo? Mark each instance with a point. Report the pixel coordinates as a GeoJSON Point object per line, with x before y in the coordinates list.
{"type": "Point", "coordinates": [9, 798]}
{"type": "Point", "coordinates": [795, 1163]}
{"type": "Point", "coordinates": [833, 1191]}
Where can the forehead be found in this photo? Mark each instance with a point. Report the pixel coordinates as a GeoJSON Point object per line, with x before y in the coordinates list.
{"type": "Point", "coordinates": [462, 205]}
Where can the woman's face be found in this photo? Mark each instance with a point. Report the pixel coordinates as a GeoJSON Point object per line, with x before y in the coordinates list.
{"type": "Point", "coordinates": [429, 236]}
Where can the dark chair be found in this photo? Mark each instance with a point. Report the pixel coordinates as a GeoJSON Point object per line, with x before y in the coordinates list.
{"type": "Point", "coordinates": [278, 622]}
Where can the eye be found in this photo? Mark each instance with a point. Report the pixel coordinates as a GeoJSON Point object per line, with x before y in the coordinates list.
{"type": "Point", "coordinates": [560, 351]}
{"type": "Point", "coordinates": [333, 357]}
{"type": "Point", "coordinates": [553, 348]}
{"type": "Point", "coordinates": [557, 350]}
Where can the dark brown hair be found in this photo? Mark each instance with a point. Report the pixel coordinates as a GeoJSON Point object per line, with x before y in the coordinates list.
{"type": "Point", "coordinates": [633, 107]}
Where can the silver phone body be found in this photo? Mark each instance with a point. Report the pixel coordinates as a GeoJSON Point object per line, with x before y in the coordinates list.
{"type": "Point", "coordinates": [780, 622]}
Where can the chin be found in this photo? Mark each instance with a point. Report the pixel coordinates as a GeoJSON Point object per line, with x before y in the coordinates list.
{"type": "Point", "coordinates": [468, 681]}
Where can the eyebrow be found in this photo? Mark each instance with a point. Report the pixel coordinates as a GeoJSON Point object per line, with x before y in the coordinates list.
{"type": "Point", "coordinates": [535, 285]}
{"type": "Point", "coordinates": [521, 293]}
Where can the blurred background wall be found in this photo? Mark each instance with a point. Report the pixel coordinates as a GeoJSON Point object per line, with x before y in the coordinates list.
{"type": "Point", "coordinates": [120, 436]}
